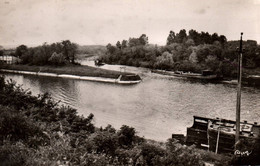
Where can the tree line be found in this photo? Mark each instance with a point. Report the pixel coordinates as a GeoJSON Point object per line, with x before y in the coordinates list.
{"type": "Point", "coordinates": [195, 37]}
{"type": "Point", "coordinates": [187, 52]}
{"type": "Point", "coordinates": [59, 53]}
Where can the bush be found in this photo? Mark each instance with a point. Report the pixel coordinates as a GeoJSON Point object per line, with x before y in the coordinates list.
{"type": "Point", "coordinates": [15, 96]}
{"type": "Point", "coordinates": [180, 155]}
{"type": "Point", "coordinates": [104, 142]}
{"type": "Point", "coordinates": [15, 127]}
{"type": "Point", "coordinates": [152, 154]}
{"type": "Point", "coordinates": [13, 154]}
{"type": "Point", "coordinates": [126, 136]}
{"type": "Point", "coordinates": [26, 58]}
{"type": "Point", "coordinates": [58, 152]}
{"type": "Point", "coordinates": [165, 61]}
{"type": "Point", "coordinates": [83, 124]}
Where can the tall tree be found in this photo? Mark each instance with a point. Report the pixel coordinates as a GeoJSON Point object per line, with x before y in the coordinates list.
{"type": "Point", "coordinates": [133, 42]}
{"type": "Point", "coordinates": [20, 50]}
{"type": "Point", "coordinates": [205, 38]}
{"type": "Point", "coordinates": [69, 50]}
{"type": "Point", "coordinates": [111, 49]}
{"type": "Point", "coordinates": [222, 39]}
{"type": "Point", "coordinates": [181, 37]}
{"type": "Point", "coordinates": [194, 35]}
{"type": "Point", "coordinates": [124, 44]}
{"type": "Point", "coordinates": [143, 39]}
{"type": "Point", "coordinates": [214, 37]}
{"type": "Point", "coordinates": [170, 38]}
{"type": "Point", "coordinates": [118, 45]}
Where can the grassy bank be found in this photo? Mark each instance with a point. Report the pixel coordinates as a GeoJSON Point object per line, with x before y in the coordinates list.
{"type": "Point", "coordinates": [35, 130]}
{"type": "Point", "coordinates": [67, 69]}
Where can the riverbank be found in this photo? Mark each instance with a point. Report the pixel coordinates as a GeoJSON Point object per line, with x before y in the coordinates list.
{"type": "Point", "coordinates": [77, 70]}
{"type": "Point", "coordinates": [248, 79]}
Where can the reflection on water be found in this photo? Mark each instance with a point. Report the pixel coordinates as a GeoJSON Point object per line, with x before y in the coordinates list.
{"type": "Point", "coordinates": [157, 107]}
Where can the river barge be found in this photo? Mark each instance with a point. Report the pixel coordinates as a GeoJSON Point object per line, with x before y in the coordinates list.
{"type": "Point", "coordinates": [125, 79]}
{"type": "Point", "coordinates": [205, 75]}
{"type": "Point", "coordinates": [219, 134]}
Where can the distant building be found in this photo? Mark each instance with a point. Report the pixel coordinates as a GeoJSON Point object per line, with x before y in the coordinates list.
{"type": "Point", "coordinates": [8, 59]}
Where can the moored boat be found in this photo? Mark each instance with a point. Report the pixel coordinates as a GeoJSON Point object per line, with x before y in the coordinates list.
{"type": "Point", "coordinates": [205, 75]}
{"type": "Point", "coordinates": [219, 134]}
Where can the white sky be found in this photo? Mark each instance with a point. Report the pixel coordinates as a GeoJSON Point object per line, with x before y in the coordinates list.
{"type": "Point", "coordinates": [33, 22]}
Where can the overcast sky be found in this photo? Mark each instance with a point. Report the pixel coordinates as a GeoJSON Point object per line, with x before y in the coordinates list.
{"type": "Point", "coordinates": [33, 22]}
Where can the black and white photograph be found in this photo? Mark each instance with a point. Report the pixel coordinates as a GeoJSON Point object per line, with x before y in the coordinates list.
{"type": "Point", "coordinates": [129, 82]}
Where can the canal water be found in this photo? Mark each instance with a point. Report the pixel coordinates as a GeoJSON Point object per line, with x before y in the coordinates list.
{"type": "Point", "coordinates": [156, 108]}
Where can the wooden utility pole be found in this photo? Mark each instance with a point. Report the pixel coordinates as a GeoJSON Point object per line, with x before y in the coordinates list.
{"type": "Point", "coordinates": [239, 90]}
